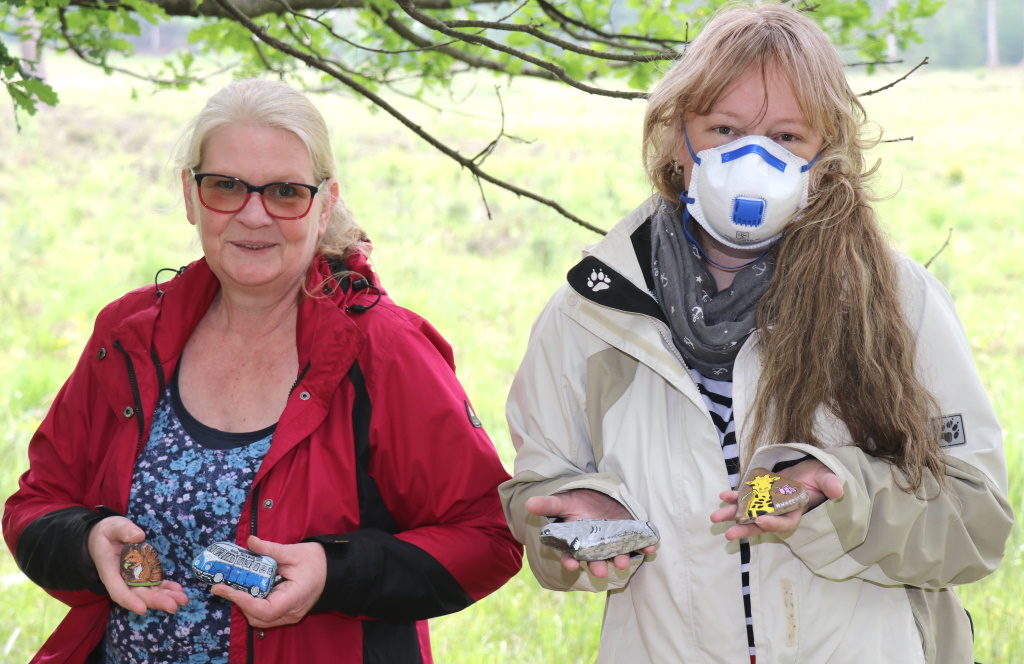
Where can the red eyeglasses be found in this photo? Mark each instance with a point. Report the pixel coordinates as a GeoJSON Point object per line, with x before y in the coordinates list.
{"type": "Point", "coordinates": [281, 200]}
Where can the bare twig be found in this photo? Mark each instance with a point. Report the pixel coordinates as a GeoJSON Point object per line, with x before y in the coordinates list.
{"type": "Point", "coordinates": [365, 92]}
{"type": "Point", "coordinates": [483, 197]}
{"type": "Point", "coordinates": [482, 156]}
{"type": "Point", "coordinates": [263, 59]}
{"type": "Point", "coordinates": [559, 72]}
{"type": "Point", "coordinates": [872, 63]}
{"type": "Point", "coordinates": [901, 78]}
{"type": "Point", "coordinates": [945, 244]}
{"type": "Point", "coordinates": [806, 7]}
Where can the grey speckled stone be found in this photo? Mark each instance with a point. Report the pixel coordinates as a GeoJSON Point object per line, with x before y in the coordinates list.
{"type": "Point", "coordinates": [599, 539]}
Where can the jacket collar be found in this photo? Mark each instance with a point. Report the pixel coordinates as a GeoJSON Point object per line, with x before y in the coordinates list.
{"type": "Point", "coordinates": [327, 339]}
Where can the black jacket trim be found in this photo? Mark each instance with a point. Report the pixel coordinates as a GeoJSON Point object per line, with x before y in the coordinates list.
{"type": "Point", "coordinates": [373, 574]}
{"type": "Point", "coordinates": [641, 239]}
{"type": "Point", "coordinates": [600, 284]}
{"type": "Point", "coordinates": [53, 550]}
{"type": "Point", "coordinates": [372, 511]}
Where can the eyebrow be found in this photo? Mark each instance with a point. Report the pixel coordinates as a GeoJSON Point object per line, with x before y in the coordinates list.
{"type": "Point", "coordinates": [796, 122]}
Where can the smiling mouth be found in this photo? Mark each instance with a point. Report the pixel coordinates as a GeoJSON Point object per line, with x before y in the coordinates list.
{"type": "Point", "coordinates": [253, 246]}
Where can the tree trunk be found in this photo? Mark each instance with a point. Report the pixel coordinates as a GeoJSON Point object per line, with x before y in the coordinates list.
{"type": "Point", "coordinates": [892, 51]}
{"type": "Point", "coordinates": [31, 51]}
{"type": "Point", "coordinates": [992, 36]}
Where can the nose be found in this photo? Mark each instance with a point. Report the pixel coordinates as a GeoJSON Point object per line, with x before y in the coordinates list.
{"type": "Point", "coordinates": [253, 213]}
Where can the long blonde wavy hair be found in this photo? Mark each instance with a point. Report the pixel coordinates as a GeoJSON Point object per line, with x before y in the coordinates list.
{"type": "Point", "coordinates": [832, 329]}
{"type": "Point", "coordinates": [273, 104]}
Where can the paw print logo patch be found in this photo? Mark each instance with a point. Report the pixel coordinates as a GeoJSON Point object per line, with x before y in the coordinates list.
{"type": "Point", "coordinates": [598, 281]}
{"type": "Point", "coordinates": [952, 433]}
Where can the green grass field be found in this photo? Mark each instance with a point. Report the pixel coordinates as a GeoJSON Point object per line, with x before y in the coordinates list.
{"type": "Point", "coordinates": [89, 208]}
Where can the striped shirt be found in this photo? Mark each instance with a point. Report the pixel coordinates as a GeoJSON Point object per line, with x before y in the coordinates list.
{"type": "Point", "coordinates": [717, 396]}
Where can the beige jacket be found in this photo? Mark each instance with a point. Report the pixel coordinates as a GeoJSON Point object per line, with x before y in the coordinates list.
{"type": "Point", "coordinates": [603, 401]}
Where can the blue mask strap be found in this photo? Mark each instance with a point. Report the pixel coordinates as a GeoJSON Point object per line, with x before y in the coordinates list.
{"type": "Point", "coordinates": [693, 155]}
{"type": "Point", "coordinates": [804, 169]}
{"type": "Point", "coordinates": [686, 219]}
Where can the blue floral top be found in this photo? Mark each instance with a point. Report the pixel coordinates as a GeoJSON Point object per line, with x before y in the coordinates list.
{"type": "Point", "coordinates": [188, 488]}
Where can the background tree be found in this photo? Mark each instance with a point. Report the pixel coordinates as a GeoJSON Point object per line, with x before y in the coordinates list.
{"type": "Point", "coordinates": [390, 51]}
{"type": "Point", "coordinates": [991, 34]}
{"type": "Point", "coordinates": [956, 36]}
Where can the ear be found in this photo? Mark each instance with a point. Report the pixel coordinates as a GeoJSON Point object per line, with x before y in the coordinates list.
{"type": "Point", "coordinates": [186, 191]}
{"type": "Point", "coordinates": [330, 200]}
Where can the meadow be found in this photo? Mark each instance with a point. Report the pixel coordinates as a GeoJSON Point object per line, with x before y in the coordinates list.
{"type": "Point", "coordinates": [90, 207]}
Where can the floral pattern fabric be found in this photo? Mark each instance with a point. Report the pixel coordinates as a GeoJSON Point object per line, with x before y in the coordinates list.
{"type": "Point", "coordinates": [185, 497]}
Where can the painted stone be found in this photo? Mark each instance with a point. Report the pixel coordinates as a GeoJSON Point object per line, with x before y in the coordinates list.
{"type": "Point", "coordinates": [235, 566]}
{"type": "Point", "coordinates": [599, 539]}
{"type": "Point", "coordinates": [764, 492]}
{"type": "Point", "coordinates": [140, 565]}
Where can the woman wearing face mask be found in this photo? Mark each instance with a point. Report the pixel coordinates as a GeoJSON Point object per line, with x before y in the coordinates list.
{"type": "Point", "coordinates": [751, 315]}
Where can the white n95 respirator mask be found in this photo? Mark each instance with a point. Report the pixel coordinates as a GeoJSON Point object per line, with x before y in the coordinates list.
{"type": "Point", "coordinates": [744, 193]}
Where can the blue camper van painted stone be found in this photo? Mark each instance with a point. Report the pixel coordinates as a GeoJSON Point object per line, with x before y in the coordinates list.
{"type": "Point", "coordinates": [232, 565]}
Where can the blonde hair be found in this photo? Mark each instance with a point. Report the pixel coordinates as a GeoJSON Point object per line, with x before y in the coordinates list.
{"type": "Point", "coordinates": [832, 330]}
{"type": "Point", "coordinates": [274, 104]}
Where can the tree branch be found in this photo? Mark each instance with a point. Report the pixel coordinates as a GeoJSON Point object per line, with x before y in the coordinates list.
{"type": "Point", "coordinates": [567, 45]}
{"type": "Point", "coordinates": [362, 47]}
{"type": "Point", "coordinates": [256, 8]}
{"type": "Point", "coordinates": [553, 12]}
{"type": "Point", "coordinates": [477, 61]}
{"type": "Point", "coordinates": [559, 72]}
{"type": "Point", "coordinates": [568, 29]}
{"type": "Point", "coordinates": [901, 78]}
{"type": "Point", "coordinates": [872, 63]}
{"type": "Point", "coordinates": [365, 92]}
{"type": "Point", "coordinates": [945, 244]}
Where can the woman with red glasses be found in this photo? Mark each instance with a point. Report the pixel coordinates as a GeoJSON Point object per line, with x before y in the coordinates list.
{"type": "Point", "coordinates": [270, 395]}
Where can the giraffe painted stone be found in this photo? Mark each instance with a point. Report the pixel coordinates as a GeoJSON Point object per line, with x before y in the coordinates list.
{"type": "Point", "coordinates": [763, 492]}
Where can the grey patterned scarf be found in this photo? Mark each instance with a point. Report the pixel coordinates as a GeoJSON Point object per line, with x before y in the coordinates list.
{"type": "Point", "coordinates": [708, 326]}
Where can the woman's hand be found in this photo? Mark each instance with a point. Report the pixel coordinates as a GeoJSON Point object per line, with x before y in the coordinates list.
{"type": "Point", "coordinates": [584, 504]}
{"type": "Point", "coordinates": [106, 539]}
{"type": "Point", "coordinates": [820, 482]}
{"type": "Point", "coordinates": [304, 568]}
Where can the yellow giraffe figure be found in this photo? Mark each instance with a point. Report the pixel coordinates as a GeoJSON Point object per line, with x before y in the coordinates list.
{"type": "Point", "coordinates": [761, 502]}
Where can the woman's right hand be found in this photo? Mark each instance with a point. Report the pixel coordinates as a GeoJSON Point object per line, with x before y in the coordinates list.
{"type": "Point", "coordinates": [578, 504]}
{"type": "Point", "coordinates": [106, 539]}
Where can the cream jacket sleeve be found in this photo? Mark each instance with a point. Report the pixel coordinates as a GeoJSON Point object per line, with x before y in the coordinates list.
{"type": "Point", "coordinates": [932, 538]}
{"type": "Point", "coordinates": [547, 422]}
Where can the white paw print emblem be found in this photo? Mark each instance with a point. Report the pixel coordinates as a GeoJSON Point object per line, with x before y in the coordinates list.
{"type": "Point", "coordinates": [598, 281]}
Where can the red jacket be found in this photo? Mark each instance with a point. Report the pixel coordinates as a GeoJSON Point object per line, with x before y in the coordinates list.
{"type": "Point", "coordinates": [378, 455]}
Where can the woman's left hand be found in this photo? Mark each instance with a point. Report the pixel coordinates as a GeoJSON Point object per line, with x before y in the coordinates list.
{"type": "Point", "coordinates": [821, 484]}
{"type": "Point", "coordinates": [304, 567]}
